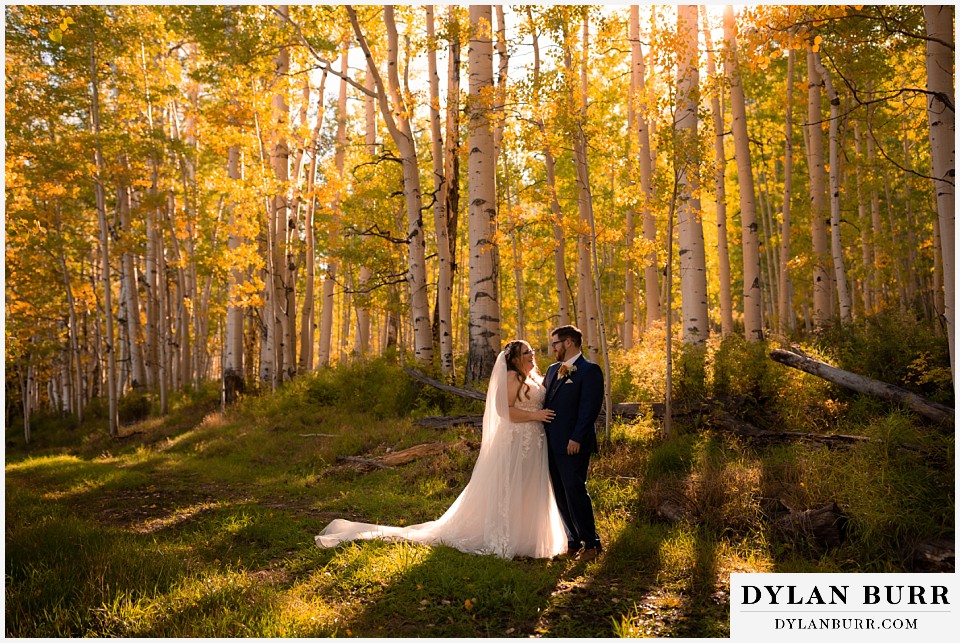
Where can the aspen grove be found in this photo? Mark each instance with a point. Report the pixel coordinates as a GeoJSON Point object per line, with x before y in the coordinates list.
{"type": "Point", "coordinates": [243, 194]}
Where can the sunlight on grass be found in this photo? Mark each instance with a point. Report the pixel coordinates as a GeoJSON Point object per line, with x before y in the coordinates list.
{"type": "Point", "coordinates": [203, 525]}
{"type": "Point", "coordinates": [178, 517]}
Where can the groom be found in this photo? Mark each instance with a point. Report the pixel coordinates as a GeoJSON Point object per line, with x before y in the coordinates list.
{"type": "Point", "coordinates": [575, 392]}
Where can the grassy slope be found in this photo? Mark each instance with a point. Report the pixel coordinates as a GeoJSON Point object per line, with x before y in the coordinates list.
{"type": "Point", "coordinates": [203, 525]}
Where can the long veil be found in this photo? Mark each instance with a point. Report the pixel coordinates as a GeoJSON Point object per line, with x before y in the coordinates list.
{"type": "Point", "coordinates": [495, 504]}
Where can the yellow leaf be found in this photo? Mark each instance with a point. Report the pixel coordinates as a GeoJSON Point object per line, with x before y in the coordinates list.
{"type": "Point", "coordinates": [817, 40]}
{"type": "Point", "coordinates": [56, 35]}
{"type": "Point", "coordinates": [816, 48]}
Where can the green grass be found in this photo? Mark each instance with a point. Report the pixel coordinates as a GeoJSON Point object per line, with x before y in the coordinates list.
{"type": "Point", "coordinates": [202, 525]}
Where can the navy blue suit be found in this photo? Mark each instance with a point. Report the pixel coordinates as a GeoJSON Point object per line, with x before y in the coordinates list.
{"type": "Point", "coordinates": [576, 399]}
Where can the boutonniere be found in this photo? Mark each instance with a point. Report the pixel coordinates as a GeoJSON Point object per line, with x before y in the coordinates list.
{"type": "Point", "coordinates": [566, 370]}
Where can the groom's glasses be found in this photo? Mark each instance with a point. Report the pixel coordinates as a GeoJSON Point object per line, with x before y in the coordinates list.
{"type": "Point", "coordinates": [559, 341]}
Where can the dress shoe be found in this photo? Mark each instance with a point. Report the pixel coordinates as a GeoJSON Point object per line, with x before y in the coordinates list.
{"type": "Point", "coordinates": [572, 552]}
{"type": "Point", "coordinates": [586, 555]}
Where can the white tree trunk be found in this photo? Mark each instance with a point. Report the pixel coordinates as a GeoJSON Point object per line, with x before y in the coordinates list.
{"type": "Point", "coordinates": [586, 288]}
{"type": "Point", "coordinates": [878, 287]}
{"type": "Point", "coordinates": [503, 59]}
{"type": "Point", "coordinates": [329, 280]}
{"type": "Point", "coordinates": [559, 237]}
{"type": "Point", "coordinates": [109, 346]}
{"type": "Point", "coordinates": [132, 298]}
{"type": "Point", "coordinates": [693, 270]}
{"type": "Point", "coordinates": [786, 318]}
{"type": "Point", "coordinates": [939, 21]}
{"type": "Point", "coordinates": [822, 296]}
{"type": "Point", "coordinates": [451, 160]}
{"type": "Point", "coordinates": [75, 368]}
{"type": "Point", "coordinates": [307, 330]}
{"type": "Point", "coordinates": [284, 264]}
{"type": "Point", "coordinates": [651, 269]}
{"type": "Point", "coordinates": [397, 121]}
{"type": "Point", "coordinates": [719, 180]}
{"type": "Point", "coordinates": [233, 380]}
{"type": "Point", "coordinates": [441, 229]}
{"type": "Point", "coordinates": [752, 294]}
{"type": "Point", "coordinates": [866, 251]}
{"type": "Point", "coordinates": [836, 244]}
{"type": "Point", "coordinates": [484, 321]}
{"type": "Point", "coordinates": [370, 141]}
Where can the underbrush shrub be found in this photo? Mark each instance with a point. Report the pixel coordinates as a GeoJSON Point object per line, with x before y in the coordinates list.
{"type": "Point", "coordinates": [133, 407]}
{"type": "Point", "coordinates": [639, 374]}
{"type": "Point", "coordinates": [690, 374]}
{"type": "Point", "coordinates": [893, 348]}
{"type": "Point", "coordinates": [741, 368]}
{"type": "Point", "coordinates": [376, 386]}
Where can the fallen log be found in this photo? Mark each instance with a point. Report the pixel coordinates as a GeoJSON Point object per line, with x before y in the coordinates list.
{"type": "Point", "coordinates": [447, 421]}
{"type": "Point", "coordinates": [942, 415]}
{"type": "Point", "coordinates": [468, 393]}
{"type": "Point", "coordinates": [372, 463]}
{"type": "Point", "coordinates": [934, 555]}
{"type": "Point", "coordinates": [826, 526]}
{"type": "Point", "coordinates": [405, 456]}
{"type": "Point", "coordinates": [727, 423]}
{"type": "Point", "coordinates": [412, 453]}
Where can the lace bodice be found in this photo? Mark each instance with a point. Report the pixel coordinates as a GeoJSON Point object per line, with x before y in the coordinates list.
{"type": "Point", "coordinates": [537, 395]}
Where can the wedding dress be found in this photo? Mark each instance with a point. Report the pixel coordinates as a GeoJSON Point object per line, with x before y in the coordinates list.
{"type": "Point", "coordinates": [508, 507]}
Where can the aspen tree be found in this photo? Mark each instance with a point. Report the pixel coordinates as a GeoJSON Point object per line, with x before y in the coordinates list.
{"type": "Point", "coordinates": [819, 215]}
{"type": "Point", "coordinates": [693, 270]}
{"type": "Point", "coordinates": [233, 381]}
{"type": "Point", "coordinates": [396, 115]}
{"type": "Point", "coordinates": [559, 236]}
{"type": "Point", "coordinates": [484, 321]}
{"type": "Point", "coordinates": [651, 269]}
{"type": "Point", "coordinates": [441, 229]}
{"type": "Point", "coordinates": [752, 295]}
{"type": "Point", "coordinates": [939, 21]}
{"type": "Point", "coordinates": [836, 244]}
{"type": "Point", "coordinates": [330, 278]}
{"type": "Point", "coordinates": [786, 318]}
{"type": "Point", "coordinates": [719, 180]}
{"type": "Point", "coordinates": [109, 345]}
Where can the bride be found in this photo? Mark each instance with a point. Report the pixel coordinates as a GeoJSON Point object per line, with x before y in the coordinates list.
{"type": "Point", "coordinates": [508, 507]}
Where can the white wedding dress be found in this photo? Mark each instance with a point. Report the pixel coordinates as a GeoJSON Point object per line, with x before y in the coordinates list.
{"type": "Point", "coordinates": [508, 507]}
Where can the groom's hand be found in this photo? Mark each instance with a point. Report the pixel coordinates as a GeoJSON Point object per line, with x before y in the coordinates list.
{"type": "Point", "coordinates": [573, 447]}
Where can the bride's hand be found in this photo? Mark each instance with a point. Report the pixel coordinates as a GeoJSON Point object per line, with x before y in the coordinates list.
{"type": "Point", "coordinates": [546, 415]}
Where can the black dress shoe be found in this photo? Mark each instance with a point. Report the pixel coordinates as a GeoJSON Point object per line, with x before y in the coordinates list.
{"type": "Point", "coordinates": [572, 552]}
{"type": "Point", "coordinates": [586, 555]}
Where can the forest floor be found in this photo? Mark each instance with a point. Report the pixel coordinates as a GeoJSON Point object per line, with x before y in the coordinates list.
{"type": "Point", "coordinates": [202, 524]}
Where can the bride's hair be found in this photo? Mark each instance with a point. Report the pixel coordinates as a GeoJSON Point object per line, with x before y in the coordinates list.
{"type": "Point", "coordinates": [514, 356]}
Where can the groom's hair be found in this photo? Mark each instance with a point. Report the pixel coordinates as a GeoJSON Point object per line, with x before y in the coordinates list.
{"type": "Point", "coordinates": [569, 332]}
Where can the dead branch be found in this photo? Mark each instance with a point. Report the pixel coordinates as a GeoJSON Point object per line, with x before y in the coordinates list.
{"type": "Point", "coordinates": [942, 415]}
{"type": "Point", "coordinates": [468, 393]}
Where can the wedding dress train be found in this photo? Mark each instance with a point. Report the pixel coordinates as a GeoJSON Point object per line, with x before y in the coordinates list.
{"type": "Point", "coordinates": [508, 507]}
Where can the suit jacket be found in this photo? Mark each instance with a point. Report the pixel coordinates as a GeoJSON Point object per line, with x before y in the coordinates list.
{"type": "Point", "coordinates": [576, 399]}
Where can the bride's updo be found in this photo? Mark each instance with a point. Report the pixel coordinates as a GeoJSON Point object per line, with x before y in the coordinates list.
{"type": "Point", "coordinates": [514, 358]}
